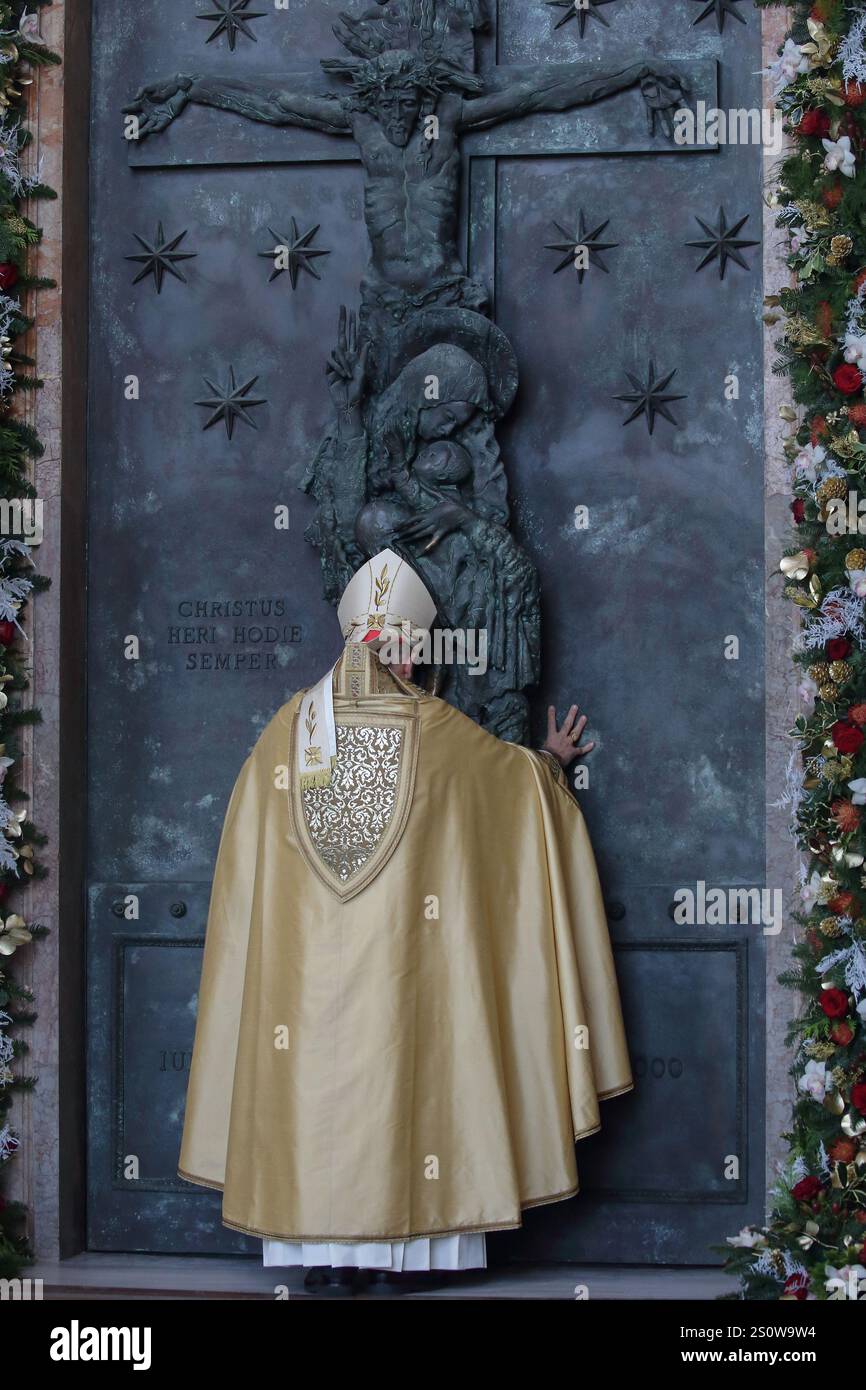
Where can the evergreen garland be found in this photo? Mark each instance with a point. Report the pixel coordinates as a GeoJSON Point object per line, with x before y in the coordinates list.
{"type": "Point", "coordinates": [21, 52]}
{"type": "Point", "coordinates": [815, 1243]}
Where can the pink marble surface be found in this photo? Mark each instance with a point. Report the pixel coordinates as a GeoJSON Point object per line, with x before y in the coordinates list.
{"type": "Point", "coordinates": [782, 624]}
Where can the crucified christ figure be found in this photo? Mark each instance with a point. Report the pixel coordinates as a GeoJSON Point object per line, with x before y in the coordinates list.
{"type": "Point", "coordinates": [406, 111]}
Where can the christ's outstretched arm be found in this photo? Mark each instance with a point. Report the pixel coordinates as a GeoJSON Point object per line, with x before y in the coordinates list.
{"type": "Point", "coordinates": [158, 104]}
{"type": "Point", "coordinates": [564, 86]}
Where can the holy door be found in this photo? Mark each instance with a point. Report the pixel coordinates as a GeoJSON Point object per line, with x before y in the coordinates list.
{"type": "Point", "coordinates": [599, 260]}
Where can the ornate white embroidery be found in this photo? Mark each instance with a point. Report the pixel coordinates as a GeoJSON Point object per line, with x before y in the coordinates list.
{"type": "Point", "coordinates": [347, 819]}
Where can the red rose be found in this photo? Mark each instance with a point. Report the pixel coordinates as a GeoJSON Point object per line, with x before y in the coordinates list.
{"type": "Point", "coordinates": [798, 510]}
{"type": "Point", "coordinates": [814, 123]}
{"type": "Point", "coordinates": [842, 1034]}
{"type": "Point", "coordinates": [860, 1216]}
{"type": "Point", "coordinates": [848, 379]}
{"type": "Point", "coordinates": [797, 1286]}
{"type": "Point", "coordinates": [857, 714]}
{"type": "Point", "coordinates": [837, 648]}
{"type": "Point", "coordinates": [7, 633]}
{"type": "Point", "coordinates": [4, 892]}
{"type": "Point", "coordinates": [847, 737]}
{"type": "Point", "coordinates": [853, 94]}
{"type": "Point", "coordinates": [806, 1189]}
{"type": "Point", "coordinates": [8, 275]}
{"type": "Point", "coordinates": [857, 415]}
{"type": "Point", "coordinates": [858, 1097]}
{"type": "Point", "coordinates": [831, 197]}
{"type": "Point", "coordinates": [862, 1256]}
{"type": "Point", "coordinates": [834, 1002]}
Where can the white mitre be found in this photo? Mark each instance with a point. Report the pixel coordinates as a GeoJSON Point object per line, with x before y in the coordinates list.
{"type": "Point", "coordinates": [384, 601]}
{"type": "Point", "coordinates": [384, 598]}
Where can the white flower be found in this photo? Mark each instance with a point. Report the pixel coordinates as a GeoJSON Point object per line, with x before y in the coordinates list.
{"type": "Point", "coordinates": [855, 349]}
{"type": "Point", "coordinates": [810, 891]}
{"type": "Point", "coordinates": [28, 25]}
{"type": "Point", "coordinates": [857, 580]}
{"type": "Point", "coordinates": [789, 64]}
{"type": "Point", "coordinates": [748, 1239]}
{"type": "Point", "coordinates": [13, 933]}
{"type": "Point", "coordinates": [809, 460]}
{"type": "Point", "coordinates": [861, 1009]}
{"type": "Point", "coordinates": [816, 1081]}
{"type": "Point", "coordinates": [858, 787]}
{"type": "Point", "coordinates": [839, 156]}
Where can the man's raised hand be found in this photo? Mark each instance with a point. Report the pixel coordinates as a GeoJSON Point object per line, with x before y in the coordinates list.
{"type": "Point", "coordinates": [564, 743]}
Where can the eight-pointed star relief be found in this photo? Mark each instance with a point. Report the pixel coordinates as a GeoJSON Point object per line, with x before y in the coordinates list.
{"type": "Point", "coordinates": [650, 397]}
{"type": "Point", "coordinates": [589, 9]}
{"type": "Point", "coordinates": [582, 239]}
{"type": "Point", "coordinates": [721, 9]}
{"type": "Point", "coordinates": [159, 258]}
{"type": "Point", "coordinates": [230, 18]}
{"type": "Point", "coordinates": [300, 253]}
{"type": "Point", "coordinates": [723, 242]}
{"type": "Point", "coordinates": [231, 402]}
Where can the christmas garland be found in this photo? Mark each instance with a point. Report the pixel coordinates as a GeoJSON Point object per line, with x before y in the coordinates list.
{"type": "Point", "coordinates": [814, 1246]}
{"type": "Point", "coordinates": [21, 51]}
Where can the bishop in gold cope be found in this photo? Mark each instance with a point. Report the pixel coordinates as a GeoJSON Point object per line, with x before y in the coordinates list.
{"type": "Point", "coordinates": [408, 1009]}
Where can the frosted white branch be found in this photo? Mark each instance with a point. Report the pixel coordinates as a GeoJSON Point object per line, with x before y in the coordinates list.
{"type": "Point", "coordinates": [852, 53]}
{"type": "Point", "coordinates": [853, 959]}
{"type": "Point", "coordinates": [841, 612]}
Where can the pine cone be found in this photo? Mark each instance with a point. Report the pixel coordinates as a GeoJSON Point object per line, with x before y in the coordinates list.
{"type": "Point", "coordinates": [831, 487]}
{"type": "Point", "coordinates": [840, 671]}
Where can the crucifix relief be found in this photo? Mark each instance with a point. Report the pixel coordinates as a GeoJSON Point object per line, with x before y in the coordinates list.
{"type": "Point", "coordinates": [420, 377]}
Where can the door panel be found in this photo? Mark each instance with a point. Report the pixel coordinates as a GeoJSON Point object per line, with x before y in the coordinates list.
{"type": "Point", "coordinates": [228, 613]}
